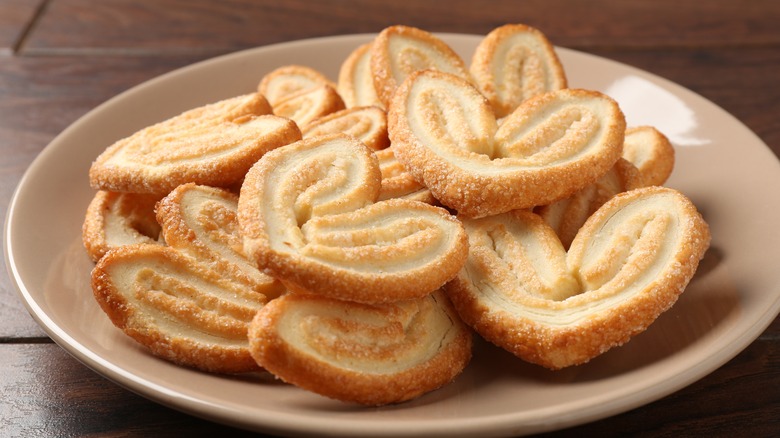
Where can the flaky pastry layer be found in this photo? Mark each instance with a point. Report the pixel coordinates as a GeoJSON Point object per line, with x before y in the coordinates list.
{"type": "Point", "coordinates": [356, 83]}
{"type": "Point", "coordinates": [366, 123]}
{"type": "Point", "coordinates": [568, 215]}
{"type": "Point", "coordinates": [397, 182]}
{"type": "Point", "coordinates": [305, 106]}
{"type": "Point", "coordinates": [202, 222]}
{"type": "Point", "coordinates": [651, 152]}
{"type": "Point", "coordinates": [179, 309]}
{"type": "Point", "coordinates": [368, 354]}
{"type": "Point", "coordinates": [287, 80]}
{"type": "Point", "coordinates": [115, 219]}
{"type": "Point", "coordinates": [398, 51]}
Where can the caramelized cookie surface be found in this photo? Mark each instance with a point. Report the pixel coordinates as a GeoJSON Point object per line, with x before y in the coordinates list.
{"type": "Point", "coordinates": [631, 260]}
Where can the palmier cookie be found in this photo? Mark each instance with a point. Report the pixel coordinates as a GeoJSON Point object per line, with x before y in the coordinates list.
{"type": "Point", "coordinates": [115, 219]}
{"type": "Point", "coordinates": [444, 132]}
{"type": "Point", "coordinates": [201, 222]}
{"type": "Point", "coordinates": [368, 354]}
{"type": "Point", "coordinates": [309, 217]}
{"type": "Point", "coordinates": [212, 145]}
{"type": "Point", "coordinates": [366, 123]}
{"type": "Point", "coordinates": [305, 106]}
{"type": "Point", "coordinates": [398, 51]}
{"type": "Point", "coordinates": [356, 83]}
{"type": "Point", "coordinates": [513, 63]}
{"type": "Point", "coordinates": [179, 309]}
{"type": "Point", "coordinates": [651, 152]}
{"type": "Point", "coordinates": [568, 215]}
{"type": "Point", "coordinates": [397, 182]}
{"type": "Point", "coordinates": [628, 264]}
{"type": "Point", "coordinates": [284, 81]}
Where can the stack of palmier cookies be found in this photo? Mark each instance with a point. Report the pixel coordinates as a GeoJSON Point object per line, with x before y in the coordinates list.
{"type": "Point", "coordinates": [349, 237]}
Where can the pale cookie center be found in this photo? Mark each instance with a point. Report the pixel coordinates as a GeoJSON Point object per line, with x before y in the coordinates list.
{"type": "Point", "coordinates": [520, 75]}
{"type": "Point", "coordinates": [185, 307]}
{"type": "Point", "coordinates": [556, 138]}
{"type": "Point", "coordinates": [390, 338]}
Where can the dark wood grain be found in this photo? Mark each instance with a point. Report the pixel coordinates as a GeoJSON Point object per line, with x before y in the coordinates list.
{"type": "Point", "coordinates": [48, 393]}
{"type": "Point", "coordinates": [164, 25]}
{"type": "Point", "coordinates": [16, 17]}
{"type": "Point", "coordinates": [61, 58]}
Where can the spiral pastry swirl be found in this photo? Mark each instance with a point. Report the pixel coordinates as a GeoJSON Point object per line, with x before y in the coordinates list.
{"type": "Point", "coordinates": [369, 354]}
{"type": "Point", "coordinates": [366, 123]}
{"type": "Point", "coordinates": [568, 215]}
{"type": "Point", "coordinates": [305, 106]}
{"type": "Point", "coordinates": [116, 219]}
{"type": "Point", "coordinates": [309, 217]}
{"type": "Point", "coordinates": [628, 264]}
{"type": "Point", "coordinates": [202, 222]}
{"type": "Point", "coordinates": [178, 308]}
{"type": "Point", "coordinates": [287, 80]}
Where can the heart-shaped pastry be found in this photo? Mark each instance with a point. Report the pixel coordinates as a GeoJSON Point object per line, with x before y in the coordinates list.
{"type": "Point", "coordinates": [211, 145]}
{"type": "Point", "coordinates": [309, 217]}
{"type": "Point", "coordinates": [629, 263]}
{"type": "Point", "coordinates": [178, 308]}
{"type": "Point", "coordinates": [444, 132]}
{"type": "Point", "coordinates": [369, 354]}
{"type": "Point", "coordinates": [116, 219]}
{"type": "Point", "coordinates": [513, 63]}
{"type": "Point", "coordinates": [202, 222]}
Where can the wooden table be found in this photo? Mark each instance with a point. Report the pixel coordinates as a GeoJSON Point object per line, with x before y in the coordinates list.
{"type": "Point", "coordinates": [61, 58]}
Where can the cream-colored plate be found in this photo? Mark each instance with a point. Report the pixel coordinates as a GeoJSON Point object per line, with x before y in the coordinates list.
{"type": "Point", "coordinates": [723, 167]}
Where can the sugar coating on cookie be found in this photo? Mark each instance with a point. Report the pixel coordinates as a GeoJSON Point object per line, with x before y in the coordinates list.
{"type": "Point", "coordinates": [628, 264]}
{"type": "Point", "coordinates": [368, 354]}
{"type": "Point", "coordinates": [444, 132]}
{"type": "Point", "coordinates": [513, 63]}
{"type": "Point", "coordinates": [211, 145]}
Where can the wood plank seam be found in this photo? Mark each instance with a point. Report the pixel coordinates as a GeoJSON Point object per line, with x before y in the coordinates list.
{"type": "Point", "coordinates": [28, 28]}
